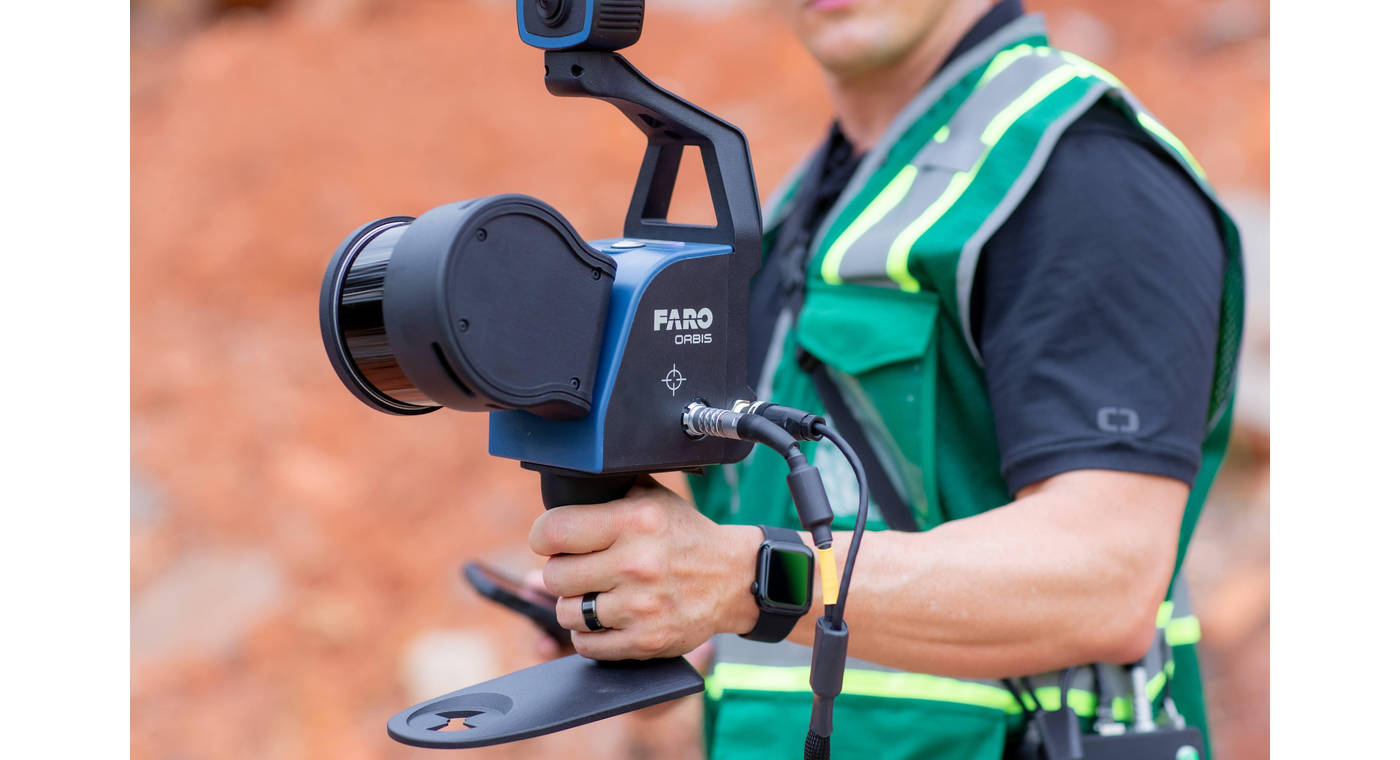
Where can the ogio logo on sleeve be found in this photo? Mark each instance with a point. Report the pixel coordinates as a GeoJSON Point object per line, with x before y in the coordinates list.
{"type": "Point", "coordinates": [1117, 419]}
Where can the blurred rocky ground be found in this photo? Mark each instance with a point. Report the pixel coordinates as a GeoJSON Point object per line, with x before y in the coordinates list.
{"type": "Point", "coordinates": [294, 555]}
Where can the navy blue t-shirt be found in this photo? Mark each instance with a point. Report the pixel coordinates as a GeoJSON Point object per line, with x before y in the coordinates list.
{"type": "Point", "coordinates": [1094, 306]}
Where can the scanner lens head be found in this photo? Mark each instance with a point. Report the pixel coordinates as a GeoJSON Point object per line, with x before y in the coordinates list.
{"type": "Point", "coordinates": [352, 321]}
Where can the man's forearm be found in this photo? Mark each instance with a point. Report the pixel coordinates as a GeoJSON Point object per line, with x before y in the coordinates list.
{"type": "Point", "coordinates": [1065, 575]}
{"type": "Point", "coordinates": [1071, 572]}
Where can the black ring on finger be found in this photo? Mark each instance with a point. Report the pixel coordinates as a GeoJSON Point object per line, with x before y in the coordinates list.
{"type": "Point", "coordinates": [590, 612]}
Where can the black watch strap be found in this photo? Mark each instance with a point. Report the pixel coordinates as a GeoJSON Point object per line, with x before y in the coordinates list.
{"type": "Point", "coordinates": [774, 625]}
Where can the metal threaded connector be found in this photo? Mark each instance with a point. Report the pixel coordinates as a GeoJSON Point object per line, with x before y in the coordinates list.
{"type": "Point", "coordinates": [744, 406]}
{"type": "Point", "coordinates": [701, 421]}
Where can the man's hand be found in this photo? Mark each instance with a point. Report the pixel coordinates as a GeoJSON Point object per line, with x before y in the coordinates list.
{"type": "Point", "coordinates": [668, 578]}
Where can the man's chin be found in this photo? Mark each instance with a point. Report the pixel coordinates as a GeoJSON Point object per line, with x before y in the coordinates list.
{"type": "Point", "coordinates": [848, 58]}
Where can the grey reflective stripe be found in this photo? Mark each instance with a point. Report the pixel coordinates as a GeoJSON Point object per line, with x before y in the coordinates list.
{"type": "Point", "coordinates": [972, 249]}
{"type": "Point", "coordinates": [1181, 598]}
{"type": "Point", "coordinates": [1027, 26]}
{"type": "Point", "coordinates": [865, 259]}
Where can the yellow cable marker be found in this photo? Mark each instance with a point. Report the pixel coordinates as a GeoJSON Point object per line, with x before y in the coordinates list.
{"type": "Point", "coordinates": [830, 583]}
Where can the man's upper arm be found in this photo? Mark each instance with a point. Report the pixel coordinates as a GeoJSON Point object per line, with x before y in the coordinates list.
{"type": "Point", "coordinates": [1096, 307]}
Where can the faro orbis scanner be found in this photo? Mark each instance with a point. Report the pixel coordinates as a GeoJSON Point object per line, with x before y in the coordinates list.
{"type": "Point", "coordinates": [597, 361]}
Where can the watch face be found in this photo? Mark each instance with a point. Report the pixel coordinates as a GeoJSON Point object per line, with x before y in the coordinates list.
{"type": "Point", "coordinates": [789, 578]}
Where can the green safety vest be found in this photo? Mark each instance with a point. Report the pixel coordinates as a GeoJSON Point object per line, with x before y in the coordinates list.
{"type": "Point", "coordinates": [888, 291]}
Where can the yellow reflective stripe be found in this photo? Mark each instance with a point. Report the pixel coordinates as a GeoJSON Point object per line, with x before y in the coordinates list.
{"type": "Point", "coordinates": [900, 685]}
{"type": "Point", "coordinates": [1183, 631]}
{"type": "Point", "coordinates": [1081, 701]}
{"type": "Point", "coordinates": [899, 187]}
{"type": "Point", "coordinates": [888, 198]}
{"type": "Point", "coordinates": [1156, 128]}
{"type": "Point", "coordinates": [1005, 58]}
{"type": "Point", "coordinates": [1089, 68]}
{"type": "Point", "coordinates": [734, 675]}
{"type": "Point", "coordinates": [878, 683]}
{"type": "Point", "coordinates": [897, 262]}
{"type": "Point", "coordinates": [1026, 101]}
{"type": "Point", "coordinates": [871, 683]}
{"type": "Point", "coordinates": [1085, 702]}
{"type": "Point", "coordinates": [1164, 614]}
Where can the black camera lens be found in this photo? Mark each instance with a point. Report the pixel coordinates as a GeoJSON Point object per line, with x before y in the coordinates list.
{"type": "Point", "coordinates": [352, 321]}
{"type": "Point", "coordinates": [552, 12]}
{"type": "Point", "coordinates": [491, 304]}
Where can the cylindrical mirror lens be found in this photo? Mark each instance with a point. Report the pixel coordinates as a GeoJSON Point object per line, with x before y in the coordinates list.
{"type": "Point", "coordinates": [361, 318]}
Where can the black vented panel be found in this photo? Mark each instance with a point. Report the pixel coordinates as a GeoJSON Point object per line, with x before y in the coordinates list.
{"type": "Point", "coordinates": [620, 15]}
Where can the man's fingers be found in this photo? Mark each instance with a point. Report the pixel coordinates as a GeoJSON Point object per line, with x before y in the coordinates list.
{"type": "Point", "coordinates": [575, 529]}
{"type": "Point", "coordinates": [577, 574]}
{"type": "Point", "coordinates": [621, 644]}
{"type": "Point", "coordinates": [583, 528]}
{"type": "Point", "coordinates": [614, 609]}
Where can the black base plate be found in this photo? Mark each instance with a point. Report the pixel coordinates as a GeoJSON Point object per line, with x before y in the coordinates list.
{"type": "Point", "coordinates": [548, 697]}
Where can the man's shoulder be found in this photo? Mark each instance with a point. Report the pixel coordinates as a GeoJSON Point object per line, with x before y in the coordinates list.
{"type": "Point", "coordinates": [1107, 121]}
{"type": "Point", "coordinates": [1106, 164]}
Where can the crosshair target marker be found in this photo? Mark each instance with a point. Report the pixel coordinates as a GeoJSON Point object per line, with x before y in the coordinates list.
{"type": "Point", "coordinates": [673, 380]}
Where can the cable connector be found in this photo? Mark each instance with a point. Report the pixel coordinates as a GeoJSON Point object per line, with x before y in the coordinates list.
{"type": "Point", "coordinates": [813, 507]}
{"type": "Point", "coordinates": [804, 481]}
{"type": "Point", "coordinates": [827, 672]}
{"type": "Point", "coordinates": [799, 424]}
{"type": "Point", "coordinates": [828, 659]}
{"type": "Point", "coordinates": [700, 421]}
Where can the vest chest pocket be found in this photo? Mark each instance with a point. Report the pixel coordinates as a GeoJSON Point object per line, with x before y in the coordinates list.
{"type": "Point", "coordinates": [879, 346]}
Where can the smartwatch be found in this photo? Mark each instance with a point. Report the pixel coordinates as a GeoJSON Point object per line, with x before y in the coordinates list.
{"type": "Point", "coordinates": [782, 584]}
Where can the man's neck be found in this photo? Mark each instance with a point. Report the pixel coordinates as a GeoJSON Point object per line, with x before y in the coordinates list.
{"type": "Point", "coordinates": [867, 103]}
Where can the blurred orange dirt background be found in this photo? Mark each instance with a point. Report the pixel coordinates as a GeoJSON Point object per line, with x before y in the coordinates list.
{"type": "Point", "coordinates": [295, 555]}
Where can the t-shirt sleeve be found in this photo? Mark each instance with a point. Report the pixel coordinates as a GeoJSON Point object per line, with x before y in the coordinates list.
{"type": "Point", "coordinates": [1095, 309]}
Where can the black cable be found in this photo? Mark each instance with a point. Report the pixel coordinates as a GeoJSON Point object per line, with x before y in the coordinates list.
{"type": "Point", "coordinates": [780, 432]}
{"type": "Point", "coordinates": [1030, 689]}
{"type": "Point", "coordinates": [1066, 678]}
{"type": "Point", "coordinates": [1035, 717]}
{"type": "Point", "coordinates": [818, 746]}
{"type": "Point", "coordinates": [837, 616]}
{"type": "Point", "coordinates": [1076, 747]}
